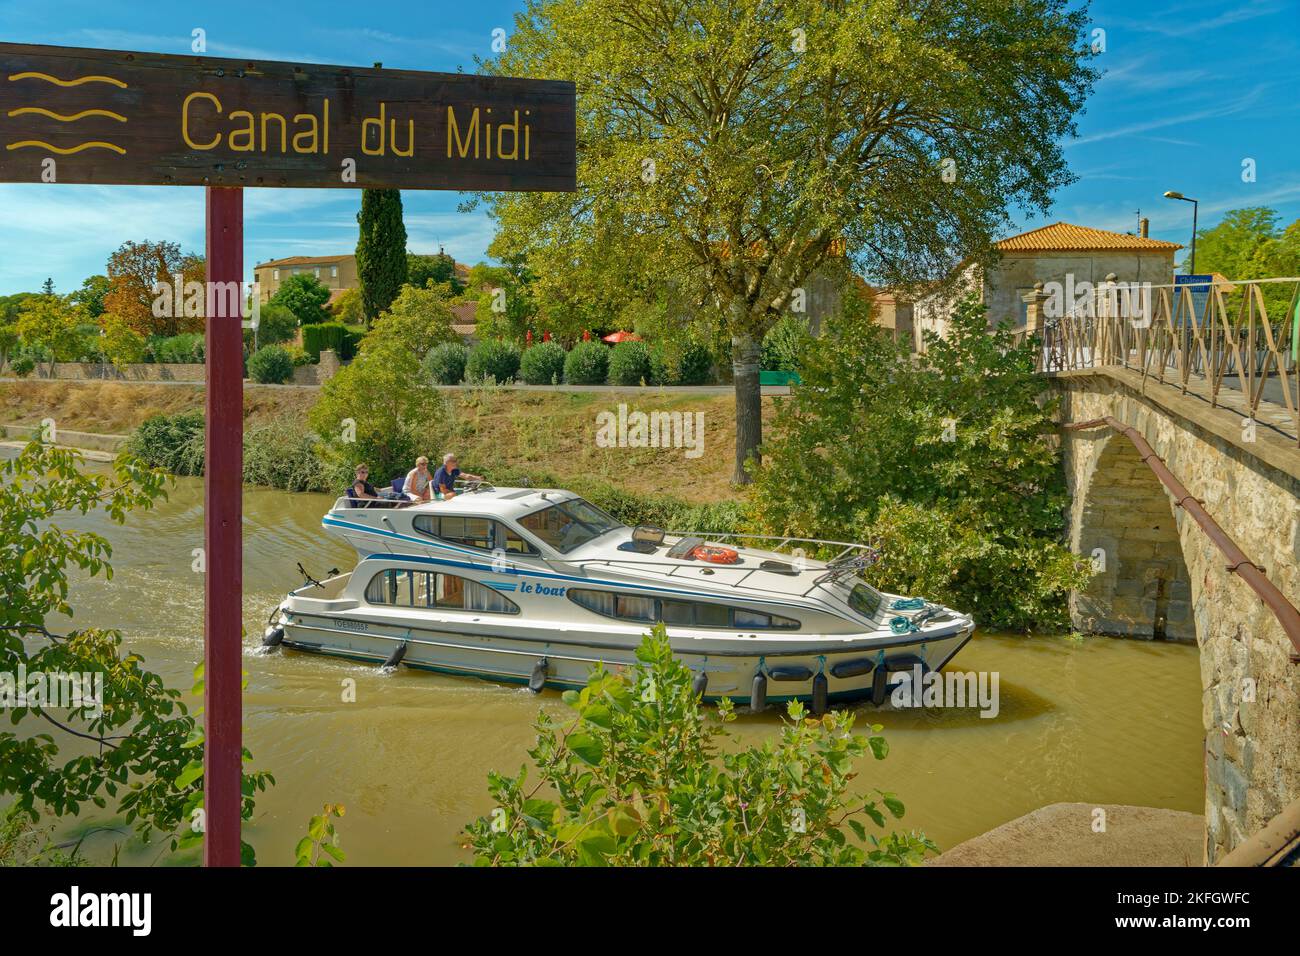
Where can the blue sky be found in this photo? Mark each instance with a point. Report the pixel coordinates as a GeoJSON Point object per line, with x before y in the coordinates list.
{"type": "Point", "coordinates": [1191, 90]}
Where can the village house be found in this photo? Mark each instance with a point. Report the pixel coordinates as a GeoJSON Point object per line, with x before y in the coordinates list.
{"type": "Point", "coordinates": [339, 275]}
{"type": "Point", "coordinates": [1060, 254]}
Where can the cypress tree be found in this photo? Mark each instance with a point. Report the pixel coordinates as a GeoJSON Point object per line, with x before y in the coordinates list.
{"type": "Point", "coordinates": [381, 249]}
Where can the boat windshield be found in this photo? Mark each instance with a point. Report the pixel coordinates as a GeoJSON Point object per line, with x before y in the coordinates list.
{"type": "Point", "coordinates": [865, 599]}
{"type": "Point", "coordinates": [569, 524]}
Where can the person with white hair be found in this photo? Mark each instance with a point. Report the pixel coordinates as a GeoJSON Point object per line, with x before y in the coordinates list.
{"type": "Point", "coordinates": [444, 479]}
{"type": "Point", "coordinates": [419, 484]}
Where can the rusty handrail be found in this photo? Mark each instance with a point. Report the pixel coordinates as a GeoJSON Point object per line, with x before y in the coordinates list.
{"type": "Point", "coordinates": [1271, 846]}
{"type": "Point", "coordinates": [1285, 612]}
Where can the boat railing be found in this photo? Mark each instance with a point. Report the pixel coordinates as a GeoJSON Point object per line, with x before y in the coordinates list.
{"type": "Point", "coordinates": [348, 503]}
{"type": "Point", "coordinates": [848, 557]}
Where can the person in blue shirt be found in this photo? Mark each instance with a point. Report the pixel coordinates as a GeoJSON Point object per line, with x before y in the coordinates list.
{"type": "Point", "coordinates": [444, 479]}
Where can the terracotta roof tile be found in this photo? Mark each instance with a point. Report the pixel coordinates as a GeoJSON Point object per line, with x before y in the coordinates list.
{"type": "Point", "coordinates": [1066, 237]}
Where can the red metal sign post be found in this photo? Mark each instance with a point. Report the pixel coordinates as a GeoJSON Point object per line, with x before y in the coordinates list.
{"type": "Point", "coordinates": [162, 120]}
{"type": "Point", "coordinates": [223, 514]}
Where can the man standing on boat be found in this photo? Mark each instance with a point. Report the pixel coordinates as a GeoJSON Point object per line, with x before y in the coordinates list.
{"type": "Point", "coordinates": [444, 479]}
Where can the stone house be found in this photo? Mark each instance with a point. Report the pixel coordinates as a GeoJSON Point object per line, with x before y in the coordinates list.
{"type": "Point", "coordinates": [336, 273]}
{"type": "Point", "coordinates": [1060, 255]}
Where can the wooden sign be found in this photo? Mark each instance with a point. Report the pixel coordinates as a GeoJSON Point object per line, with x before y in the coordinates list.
{"type": "Point", "coordinates": [107, 117]}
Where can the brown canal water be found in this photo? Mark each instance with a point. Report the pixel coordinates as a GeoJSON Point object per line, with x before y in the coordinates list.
{"type": "Point", "coordinates": [1094, 720]}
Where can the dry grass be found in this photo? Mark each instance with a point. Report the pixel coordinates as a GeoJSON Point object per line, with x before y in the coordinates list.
{"type": "Point", "coordinates": [495, 431]}
{"type": "Point", "coordinates": [115, 408]}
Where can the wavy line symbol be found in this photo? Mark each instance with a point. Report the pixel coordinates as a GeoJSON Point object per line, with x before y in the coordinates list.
{"type": "Point", "coordinates": [67, 152]}
{"type": "Point", "coordinates": [32, 75]}
{"type": "Point", "coordinates": [68, 119]}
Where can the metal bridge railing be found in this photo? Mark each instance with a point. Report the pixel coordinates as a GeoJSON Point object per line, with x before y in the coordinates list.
{"type": "Point", "coordinates": [1239, 336]}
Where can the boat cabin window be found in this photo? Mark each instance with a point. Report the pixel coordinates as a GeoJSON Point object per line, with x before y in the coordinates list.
{"type": "Point", "coordinates": [404, 588]}
{"type": "Point", "coordinates": [865, 600]}
{"type": "Point", "coordinates": [484, 534]}
{"type": "Point", "coordinates": [637, 607]}
{"type": "Point", "coordinates": [569, 524]}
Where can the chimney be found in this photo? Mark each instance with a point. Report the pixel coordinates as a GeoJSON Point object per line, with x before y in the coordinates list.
{"type": "Point", "coordinates": [1144, 226]}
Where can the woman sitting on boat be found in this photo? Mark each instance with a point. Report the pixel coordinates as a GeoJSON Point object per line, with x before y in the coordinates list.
{"type": "Point", "coordinates": [419, 483]}
{"type": "Point", "coordinates": [361, 490]}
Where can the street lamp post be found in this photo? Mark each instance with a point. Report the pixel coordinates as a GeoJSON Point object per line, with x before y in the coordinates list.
{"type": "Point", "coordinates": [1195, 208]}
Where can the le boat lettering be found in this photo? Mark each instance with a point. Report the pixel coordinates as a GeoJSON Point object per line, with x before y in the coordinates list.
{"type": "Point", "coordinates": [590, 587]}
{"type": "Point", "coordinates": [157, 119]}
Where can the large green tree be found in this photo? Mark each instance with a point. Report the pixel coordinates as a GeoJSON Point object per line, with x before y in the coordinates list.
{"type": "Point", "coordinates": [305, 296]}
{"type": "Point", "coordinates": [1249, 244]}
{"type": "Point", "coordinates": [743, 140]}
{"type": "Point", "coordinates": [381, 249]}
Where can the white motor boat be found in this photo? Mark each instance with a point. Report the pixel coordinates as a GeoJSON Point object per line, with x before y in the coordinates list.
{"type": "Point", "coordinates": [537, 586]}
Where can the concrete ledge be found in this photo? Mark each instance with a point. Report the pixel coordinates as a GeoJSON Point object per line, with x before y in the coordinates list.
{"type": "Point", "coordinates": [70, 439]}
{"type": "Point", "coordinates": [1061, 835]}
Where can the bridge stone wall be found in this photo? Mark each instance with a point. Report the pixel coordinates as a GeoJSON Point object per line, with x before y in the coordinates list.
{"type": "Point", "coordinates": [1160, 574]}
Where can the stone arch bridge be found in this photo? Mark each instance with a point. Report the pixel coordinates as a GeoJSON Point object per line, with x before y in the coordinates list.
{"type": "Point", "coordinates": [1227, 429]}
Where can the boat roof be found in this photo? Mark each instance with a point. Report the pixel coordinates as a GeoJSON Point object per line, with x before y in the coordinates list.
{"type": "Point", "coordinates": [499, 502]}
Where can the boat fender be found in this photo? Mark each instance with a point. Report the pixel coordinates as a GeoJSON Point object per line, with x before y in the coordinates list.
{"type": "Point", "coordinates": [905, 662]}
{"type": "Point", "coordinates": [699, 683]}
{"type": "Point", "coordinates": [395, 658]}
{"type": "Point", "coordinates": [758, 694]}
{"type": "Point", "coordinates": [273, 636]}
{"type": "Point", "coordinates": [537, 679]}
{"type": "Point", "coordinates": [790, 672]}
{"type": "Point", "coordinates": [821, 691]}
{"type": "Point", "coordinates": [879, 685]}
{"type": "Point", "coordinates": [853, 668]}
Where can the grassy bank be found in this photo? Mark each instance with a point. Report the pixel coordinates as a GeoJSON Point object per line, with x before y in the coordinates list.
{"type": "Point", "coordinates": [549, 437]}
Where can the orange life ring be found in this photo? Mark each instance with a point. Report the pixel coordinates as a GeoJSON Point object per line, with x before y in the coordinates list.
{"type": "Point", "coordinates": [715, 554]}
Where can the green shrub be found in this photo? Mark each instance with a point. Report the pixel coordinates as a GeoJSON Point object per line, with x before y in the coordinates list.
{"type": "Point", "coordinates": [173, 443]}
{"type": "Point", "coordinates": [493, 359]}
{"type": "Point", "coordinates": [663, 367]}
{"type": "Point", "coordinates": [587, 364]}
{"type": "Point", "coordinates": [305, 296]}
{"type": "Point", "coordinates": [22, 365]}
{"type": "Point", "coordinates": [543, 364]}
{"type": "Point", "coordinates": [352, 336]}
{"type": "Point", "coordinates": [270, 365]}
{"type": "Point", "coordinates": [282, 454]}
{"type": "Point", "coordinates": [318, 337]}
{"type": "Point", "coordinates": [695, 367]}
{"type": "Point", "coordinates": [951, 461]}
{"type": "Point", "coordinates": [276, 323]}
{"type": "Point", "coordinates": [184, 349]}
{"type": "Point", "coordinates": [784, 344]}
{"type": "Point", "coordinates": [445, 363]}
{"type": "Point", "coordinates": [629, 364]}
{"type": "Point", "coordinates": [298, 355]}
{"type": "Point", "coordinates": [632, 778]}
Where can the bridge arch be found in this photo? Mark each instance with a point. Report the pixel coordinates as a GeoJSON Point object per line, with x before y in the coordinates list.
{"type": "Point", "coordinates": [1125, 523]}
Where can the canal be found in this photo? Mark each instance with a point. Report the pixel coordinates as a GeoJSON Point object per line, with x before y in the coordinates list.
{"type": "Point", "coordinates": [1092, 720]}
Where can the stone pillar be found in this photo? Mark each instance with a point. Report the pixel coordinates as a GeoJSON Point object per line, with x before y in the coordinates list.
{"type": "Point", "coordinates": [328, 366]}
{"type": "Point", "coordinates": [1034, 309]}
